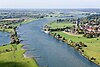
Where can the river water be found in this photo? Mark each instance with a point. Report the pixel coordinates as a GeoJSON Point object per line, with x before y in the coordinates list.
{"type": "Point", "coordinates": [47, 50]}
{"type": "Point", "coordinates": [4, 38]}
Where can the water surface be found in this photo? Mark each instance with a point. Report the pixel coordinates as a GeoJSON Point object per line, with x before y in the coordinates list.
{"type": "Point", "coordinates": [47, 50]}
{"type": "Point", "coordinates": [4, 38]}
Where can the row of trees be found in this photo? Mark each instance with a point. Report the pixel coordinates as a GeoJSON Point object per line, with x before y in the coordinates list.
{"type": "Point", "coordinates": [91, 34]}
{"type": "Point", "coordinates": [77, 45]}
{"type": "Point", "coordinates": [14, 37]}
{"type": "Point", "coordinates": [60, 20]}
{"type": "Point", "coordinates": [58, 29]}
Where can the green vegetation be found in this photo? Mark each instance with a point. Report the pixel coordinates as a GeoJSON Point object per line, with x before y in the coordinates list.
{"type": "Point", "coordinates": [92, 49]}
{"type": "Point", "coordinates": [12, 55]}
{"type": "Point", "coordinates": [14, 58]}
{"type": "Point", "coordinates": [24, 22]}
{"type": "Point", "coordinates": [93, 45]}
{"type": "Point", "coordinates": [16, 24]}
{"type": "Point", "coordinates": [7, 30]}
{"type": "Point", "coordinates": [55, 25]}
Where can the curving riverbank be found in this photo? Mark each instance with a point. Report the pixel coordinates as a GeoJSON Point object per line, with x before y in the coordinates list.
{"type": "Point", "coordinates": [11, 58]}
{"type": "Point", "coordinates": [15, 51]}
{"type": "Point", "coordinates": [48, 50]}
{"type": "Point", "coordinates": [66, 40]}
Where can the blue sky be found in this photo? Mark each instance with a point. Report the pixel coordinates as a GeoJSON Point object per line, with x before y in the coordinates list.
{"type": "Point", "coordinates": [49, 3]}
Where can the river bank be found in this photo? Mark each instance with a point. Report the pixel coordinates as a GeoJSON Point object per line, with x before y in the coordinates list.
{"type": "Point", "coordinates": [11, 58]}
{"type": "Point", "coordinates": [49, 51]}
{"type": "Point", "coordinates": [88, 47]}
{"type": "Point", "coordinates": [13, 48]}
{"type": "Point", "coordinates": [82, 51]}
{"type": "Point", "coordinates": [10, 30]}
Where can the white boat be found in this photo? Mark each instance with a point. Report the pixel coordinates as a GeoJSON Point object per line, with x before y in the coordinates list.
{"type": "Point", "coordinates": [47, 32]}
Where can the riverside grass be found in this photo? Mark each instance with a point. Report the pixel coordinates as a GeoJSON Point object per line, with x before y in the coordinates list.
{"type": "Point", "coordinates": [55, 25]}
{"type": "Point", "coordinates": [11, 59]}
{"type": "Point", "coordinates": [93, 44]}
{"type": "Point", "coordinates": [25, 22]}
{"type": "Point", "coordinates": [17, 24]}
{"type": "Point", "coordinates": [15, 58]}
{"type": "Point", "coordinates": [7, 30]}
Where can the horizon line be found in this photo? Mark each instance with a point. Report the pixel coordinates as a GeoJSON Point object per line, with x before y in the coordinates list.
{"type": "Point", "coordinates": [51, 8]}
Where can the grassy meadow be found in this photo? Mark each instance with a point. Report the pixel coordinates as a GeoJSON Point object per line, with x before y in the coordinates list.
{"type": "Point", "coordinates": [54, 25]}
{"type": "Point", "coordinates": [15, 58]}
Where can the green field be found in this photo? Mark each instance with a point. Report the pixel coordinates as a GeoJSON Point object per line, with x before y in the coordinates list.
{"type": "Point", "coordinates": [93, 45]}
{"type": "Point", "coordinates": [54, 25]}
{"type": "Point", "coordinates": [15, 59]}
{"type": "Point", "coordinates": [7, 30]}
{"type": "Point", "coordinates": [24, 22]}
{"type": "Point", "coordinates": [17, 24]}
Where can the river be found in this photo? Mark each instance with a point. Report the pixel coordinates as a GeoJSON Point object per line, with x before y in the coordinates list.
{"type": "Point", "coordinates": [4, 38]}
{"type": "Point", "coordinates": [47, 50]}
